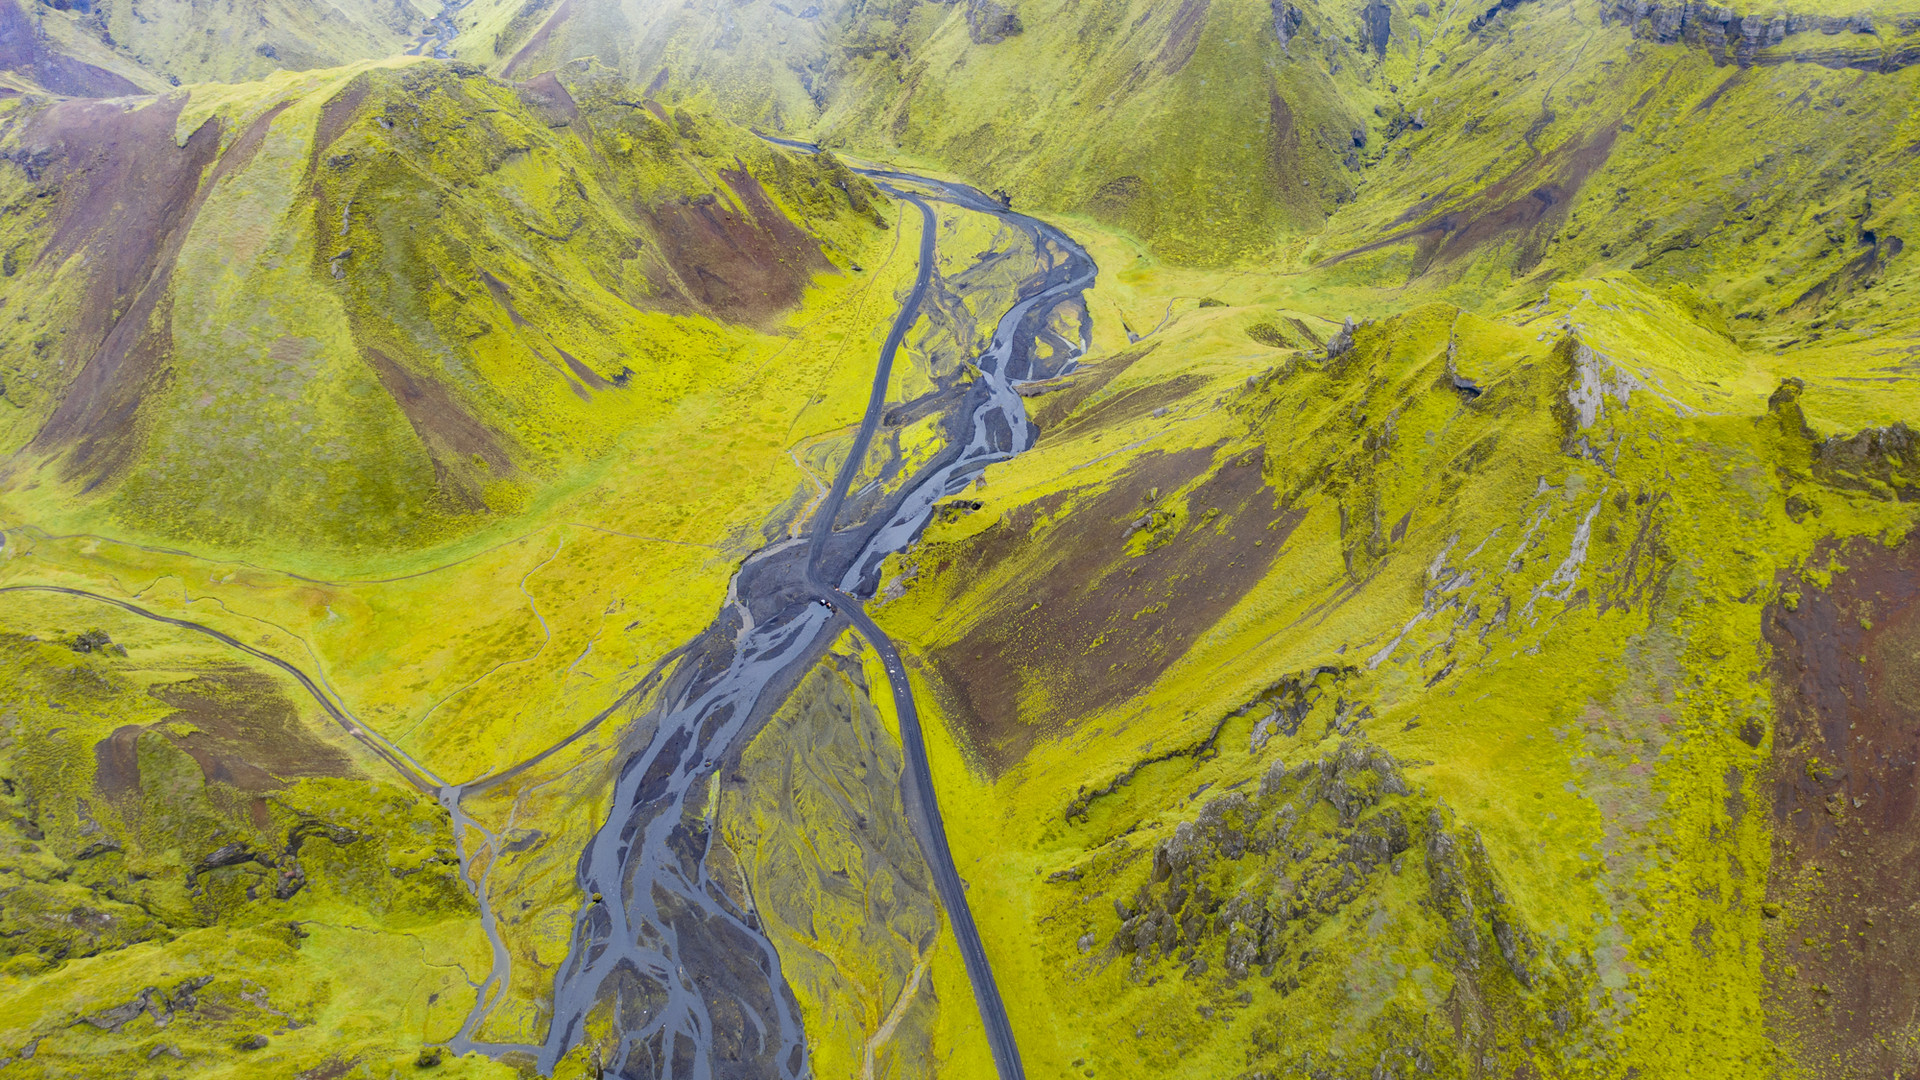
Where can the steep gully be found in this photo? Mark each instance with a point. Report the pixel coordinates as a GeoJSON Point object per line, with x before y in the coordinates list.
{"type": "Point", "coordinates": [693, 986]}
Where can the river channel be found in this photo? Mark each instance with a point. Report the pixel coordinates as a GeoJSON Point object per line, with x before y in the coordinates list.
{"type": "Point", "coordinates": [694, 987]}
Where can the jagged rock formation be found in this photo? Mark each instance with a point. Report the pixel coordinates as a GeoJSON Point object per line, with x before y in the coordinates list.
{"type": "Point", "coordinates": [1763, 38]}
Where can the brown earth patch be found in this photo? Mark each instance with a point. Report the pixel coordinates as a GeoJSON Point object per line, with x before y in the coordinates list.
{"type": "Point", "coordinates": [1086, 382]}
{"type": "Point", "coordinates": [451, 435]}
{"type": "Point", "coordinates": [1092, 625]}
{"type": "Point", "coordinates": [1530, 203]}
{"type": "Point", "coordinates": [586, 374]}
{"type": "Point", "coordinates": [340, 111]}
{"type": "Point", "coordinates": [116, 762]}
{"type": "Point", "coordinates": [549, 100]}
{"type": "Point", "coordinates": [1183, 35]}
{"type": "Point", "coordinates": [249, 732]}
{"type": "Point", "coordinates": [1130, 404]}
{"type": "Point", "coordinates": [1846, 857]}
{"type": "Point", "coordinates": [745, 266]}
{"type": "Point", "coordinates": [1283, 151]}
{"type": "Point", "coordinates": [249, 736]}
{"type": "Point", "coordinates": [22, 50]}
{"type": "Point", "coordinates": [128, 195]}
{"type": "Point", "coordinates": [539, 39]}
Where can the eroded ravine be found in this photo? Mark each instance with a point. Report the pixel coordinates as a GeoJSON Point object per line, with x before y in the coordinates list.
{"type": "Point", "coordinates": [691, 984]}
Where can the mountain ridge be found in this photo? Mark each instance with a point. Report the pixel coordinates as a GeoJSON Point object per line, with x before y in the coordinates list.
{"type": "Point", "coordinates": [1454, 616]}
{"type": "Point", "coordinates": [667, 260]}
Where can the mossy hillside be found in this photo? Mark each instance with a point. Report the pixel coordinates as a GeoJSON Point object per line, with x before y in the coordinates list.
{"type": "Point", "coordinates": [544, 639]}
{"type": "Point", "coordinates": [1547, 144]}
{"type": "Point", "coordinates": [1221, 334]}
{"type": "Point", "coordinates": [761, 63]}
{"type": "Point", "coordinates": [553, 627]}
{"type": "Point", "coordinates": [194, 859]}
{"type": "Point", "coordinates": [491, 407]}
{"type": "Point", "coordinates": [620, 565]}
{"type": "Point", "coordinates": [1483, 153]}
{"type": "Point", "coordinates": [1594, 720]}
{"type": "Point", "coordinates": [1242, 148]}
{"type": "Point", "coordinates": [483, 652]}
{"type": "Point", "coordinates": [1457, 120]}
{"type": "Point", "coordinates": [1839, 344]}
{"type": "Point", "coordinates": [517, 671]}
{"type": "Point", "coordinates": [1238, 156]}
{"type": "Point", "coordinates": [154, 46]}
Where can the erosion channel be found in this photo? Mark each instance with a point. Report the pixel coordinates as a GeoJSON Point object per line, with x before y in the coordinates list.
{"type": "Point", "coordinates": [693, 983]}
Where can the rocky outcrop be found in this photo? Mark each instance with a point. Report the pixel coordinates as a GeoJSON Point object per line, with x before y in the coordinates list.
{"type": "Point", "coordinates": [1288, 702]}
{"type": "Point", "coordinates": [1305, 872]}
{"type": "Point", "coordinates": [1834, 41]}
{"type": "Point", "coordinates": [1377, 17]}
{"type": "Point", "coordinates": [1341, 342]}
{"type": "Point", "coordinates": [1486, 17]}
{"type": "Point", "coordinates": [1837, 41]}
{"type": "Point", "coordinates": [1883, 461]}
{"type": "Point", "coordinates": [989, 23]}
{"type": "Point", "coordinates": [1880, 461]}
{"type": "Point", "coordinates": [161, 1005]}
{"type": "Point", "coordinates": [1286, 22]}
{"type": "Point", "coordinates": [1712, 24]}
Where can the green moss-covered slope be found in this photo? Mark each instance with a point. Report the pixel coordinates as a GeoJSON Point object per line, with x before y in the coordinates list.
{"type": "Point", "coordinates": [378, 307]}
{"type": "Point", "coordinates": [1406, 708]}
{"type": "Point", "coordinates": [114, 47]}
{"type": "Point", "coordinates": [200, 875]}
{"type": "Point", "coordinates": [1458, 620]}
{"type": "Point", "coordinates": [1227, 130]}
{"type": "Point", "coordinates": [338, 365]}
